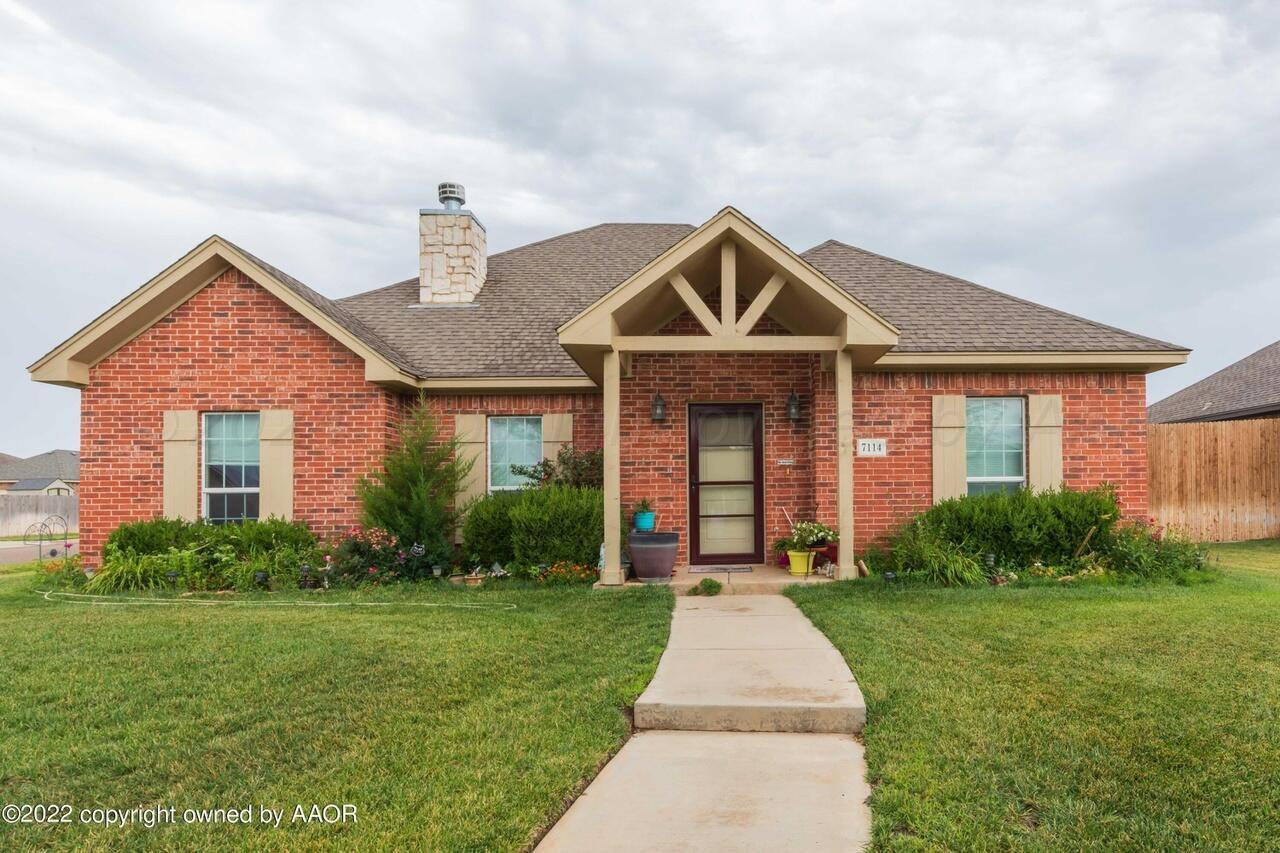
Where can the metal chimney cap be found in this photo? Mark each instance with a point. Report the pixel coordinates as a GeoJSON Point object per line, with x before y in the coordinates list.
{"type": "Point", "coordinates": [452, 195]}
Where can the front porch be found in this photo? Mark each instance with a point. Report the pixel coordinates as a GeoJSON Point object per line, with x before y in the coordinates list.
{"type": "Point", "coordinates": [730, 333]}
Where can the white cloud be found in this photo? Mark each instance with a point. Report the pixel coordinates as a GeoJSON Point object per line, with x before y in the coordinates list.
{"type": "Point", "coordinates": [1110, 158]}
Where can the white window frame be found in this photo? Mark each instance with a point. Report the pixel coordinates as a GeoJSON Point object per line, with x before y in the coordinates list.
{"type": "Point", "coordinates": [490, 488]}
{"type": "Point", "coordinates": [205, 489]}
{"type": "Point", "coordinates": [1022, 480]}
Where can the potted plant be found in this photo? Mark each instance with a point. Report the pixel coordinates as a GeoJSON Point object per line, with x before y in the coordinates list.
{"type": "Point", "coordinates": [807, 540]}
{"type": "Point", "coordinates": [643, 518]}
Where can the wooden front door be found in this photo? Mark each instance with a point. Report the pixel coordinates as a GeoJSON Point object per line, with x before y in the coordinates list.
{"type": "Point", "coordinates": [726, 483]}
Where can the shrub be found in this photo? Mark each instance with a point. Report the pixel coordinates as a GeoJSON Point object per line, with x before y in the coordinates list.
{"type": "Point", "coordinates": [1023, 527]}
{"type": "Point", "coordinates": [374, 556]}
{"type": "Point", "coordinates": [486, 531]}
{"type": "Point", "coordinates": [414, 497]}
{"type": "Point", "coordinates": [583, 469]}
{"type": "Point", "coordinates": [1141, 551]}
{"type": "Point", "coordinates": [140, 555]}
{"type": "Point", "coordinates": [919, 552]}
{"type": "Point", "coordinates": [558, 523]}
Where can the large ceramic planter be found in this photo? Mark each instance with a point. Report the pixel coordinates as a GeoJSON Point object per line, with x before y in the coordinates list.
{"type": "Point", "coordinates": [653, 555]}
{"type": "Point", "coordinates": [801, 562]}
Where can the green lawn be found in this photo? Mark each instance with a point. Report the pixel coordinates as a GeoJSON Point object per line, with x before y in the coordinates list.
{"type": "Point", "coordinates": [1070, 718]}
{"type": "Point", "coordinates": [446, 728]}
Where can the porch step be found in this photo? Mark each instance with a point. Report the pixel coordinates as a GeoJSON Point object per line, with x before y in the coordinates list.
{"type": "Point", "coordinates": [749, 664]}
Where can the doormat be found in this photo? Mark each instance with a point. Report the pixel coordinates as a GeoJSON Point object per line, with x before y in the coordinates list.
{"type": "Point", "coordinates": [705, 570]}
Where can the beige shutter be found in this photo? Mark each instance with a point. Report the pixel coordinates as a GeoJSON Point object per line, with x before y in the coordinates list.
{"type": "Point", "coordinates": [557, 431]}
{"type": "Point", "coordinates": [275, 449]}
{"type": "Point", "coordinates": [472, 433]}
{"type": "Point", "coordinates": [1044, 442]}
{"type": "Point", "coordinates": [949, 467]}
{"type": "Point", "coordinates": [181, 465]}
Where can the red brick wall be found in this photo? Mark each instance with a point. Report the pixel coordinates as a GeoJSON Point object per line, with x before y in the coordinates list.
{"type": "Point", "coordinates": [588, 415]}
{"type": "Point", "coordinates": [1104, 436]}
{"type": "Point", "coordinates": [231, 347]}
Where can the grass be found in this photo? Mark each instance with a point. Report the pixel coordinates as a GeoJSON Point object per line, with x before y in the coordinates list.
{"type": "Point", "coordinates": [21, 538]}
{"type": "Point", "coordinates": [448, 729]}
{"type": "Point", "coordinates": [1087, 717]}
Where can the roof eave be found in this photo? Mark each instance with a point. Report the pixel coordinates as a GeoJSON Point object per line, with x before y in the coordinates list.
{"type": "Point", "coordinates": [1143, 361]}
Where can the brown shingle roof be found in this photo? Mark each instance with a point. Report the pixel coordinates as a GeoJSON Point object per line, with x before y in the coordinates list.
{"type": "Point", "coordinates": [510, 330]}
{"type": "Point", "coordinates": [1251, 386]}
{"type": "Point", "coordinates": [936, 312]}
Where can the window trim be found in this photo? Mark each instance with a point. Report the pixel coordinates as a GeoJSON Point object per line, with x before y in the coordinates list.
{"type": "Point", "coordinates": [1022, 480]}
{"type": "Point", "coordinates": [490, 488]}
{"type": "Point", "coordinates": [206, 489]}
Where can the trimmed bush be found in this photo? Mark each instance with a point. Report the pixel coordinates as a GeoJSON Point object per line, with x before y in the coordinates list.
{"type": "Point", "coordinates": [557, 523]}
{"type": "Point", "coordinates": [486, 531]}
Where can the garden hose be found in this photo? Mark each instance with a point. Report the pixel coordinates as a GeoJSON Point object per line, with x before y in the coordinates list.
{"type": "Point", "coordinates": [84, 598]}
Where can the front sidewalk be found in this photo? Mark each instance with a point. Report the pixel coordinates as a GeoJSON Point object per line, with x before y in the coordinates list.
{"type": "Point", "coordinates": [764, 756]}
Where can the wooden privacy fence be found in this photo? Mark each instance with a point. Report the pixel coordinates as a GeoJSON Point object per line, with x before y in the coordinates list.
{"type": "Point", "coordinates": [18, 512]}
{"type": "Point", "coordinates": [1216, 482]}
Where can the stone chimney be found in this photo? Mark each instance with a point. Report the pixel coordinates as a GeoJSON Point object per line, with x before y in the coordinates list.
{"type": "Point", "coordinates": [452, 258]}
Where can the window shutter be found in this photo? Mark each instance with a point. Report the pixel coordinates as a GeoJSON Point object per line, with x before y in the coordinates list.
{"type": "Point", "coordinates": [1044, 442]}
{"type": "Point", "coordinates": [181, 465]}
{"type": "Point", "coordinates": [275, 449]}
{"type": "Point", "coordinates": [949, 465]}
{"type": "Point", "coordinates": [557, 431]}
{"type": "Point", "coordinates": [472, 434]}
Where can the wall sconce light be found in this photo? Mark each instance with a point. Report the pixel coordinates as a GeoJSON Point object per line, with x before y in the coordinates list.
{"type": "Point", "coordinates": [793, 407]}
{"type": "Point", "coordinates": [658, 411]}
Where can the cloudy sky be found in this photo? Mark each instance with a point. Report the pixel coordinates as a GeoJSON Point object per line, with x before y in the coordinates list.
{"type": "Point", "coordinates": [1114, 159]}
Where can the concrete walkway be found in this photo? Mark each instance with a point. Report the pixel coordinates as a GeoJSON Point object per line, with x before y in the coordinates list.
{"type": "Point", "coordinates": [746, 742]}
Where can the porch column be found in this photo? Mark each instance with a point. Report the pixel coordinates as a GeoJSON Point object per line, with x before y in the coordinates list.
{"type": "Point", "coordinates": [611, 575]}
{"type": "Point", "coordinates": [844, 461]}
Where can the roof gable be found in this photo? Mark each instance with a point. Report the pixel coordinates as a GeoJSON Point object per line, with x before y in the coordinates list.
{"type": "Point", "coordinates": [69, 363]}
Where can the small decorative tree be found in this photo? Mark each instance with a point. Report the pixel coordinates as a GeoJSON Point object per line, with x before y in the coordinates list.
{"type": "Point", "coordinates": [577, 468]}
{"type": "Point", "coordinates": [415, 495]}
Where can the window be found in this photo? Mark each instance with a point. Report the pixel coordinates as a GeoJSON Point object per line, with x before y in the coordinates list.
{"type": "Point", "coordinates": [512, 441]}
{"type": "Point", "coordinates": [995, 444]}
{"type": "Point", "coordinates": [230, 467]}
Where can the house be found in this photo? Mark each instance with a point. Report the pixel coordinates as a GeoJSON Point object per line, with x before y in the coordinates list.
{"type": "Point", "coordinates": [1249, 388]}
{"type": "Point", "coordinates": [728, 379]}
{"type": "Point", "coordinates": [41, 486]}
{"type": "Point", "coordinates": [62, 465]}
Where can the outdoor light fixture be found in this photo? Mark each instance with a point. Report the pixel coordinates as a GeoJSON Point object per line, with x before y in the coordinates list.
{"type": "Point", "coordinates": [890, 577]}
{"type": "Point", "coordinates": [260, 578]}
{"type": "Point", "coordinates": [659, 409]}
{"type": "Point", "coordinates": [173, 578]}
{"type": "Point", "coordinates": [793, 407]}
{"type": "Point", "coordinates": [304, 577]}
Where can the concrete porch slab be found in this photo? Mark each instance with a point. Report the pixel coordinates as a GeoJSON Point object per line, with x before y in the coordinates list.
{"type": "Point", "coordinates": [722, 791]}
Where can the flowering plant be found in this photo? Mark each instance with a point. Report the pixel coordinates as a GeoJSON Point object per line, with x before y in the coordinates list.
{"type": "Point", "coordinates": [565, 572]}
{"type": "Point", "coordinates": [809, 534]}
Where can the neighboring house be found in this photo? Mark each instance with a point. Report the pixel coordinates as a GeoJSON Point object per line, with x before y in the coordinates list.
{"type": "Point", "coordinates": [5, 458]}
{"type": "Point", "coordinates": [41, 486]}
{"type": "Point", "coordinates": [728, 379]}
{"type": "Point", "coordinates": [61, 465]}
{"type": "Point", "coordinates": [1249, 388]}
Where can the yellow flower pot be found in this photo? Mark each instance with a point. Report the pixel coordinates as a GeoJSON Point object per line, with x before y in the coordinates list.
{"type": "Point", "coordinates": [801, 562]}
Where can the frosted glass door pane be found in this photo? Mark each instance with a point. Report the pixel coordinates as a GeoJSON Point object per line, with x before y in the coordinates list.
{"type": "Point", "coordinates": [727, 535]}
{"type": "Point", "coordinates": [726, 463]}
{"type": "Point", "coordinates": [726, 500]}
